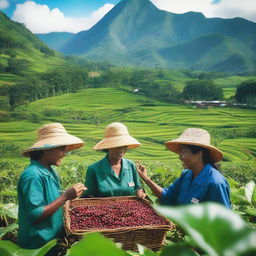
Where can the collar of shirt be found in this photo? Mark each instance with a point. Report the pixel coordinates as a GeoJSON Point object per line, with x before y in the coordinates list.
{"type": "Point", "coordinates": [48, 172]}
{"type": "Point", "coordinates": [41, 168]}
{"type": "Point", "coordinates": [193, 188]}
{"type": "Point", "coordinates": [111, 172]}
{"type": "Point", "coordinates": [203, 175]}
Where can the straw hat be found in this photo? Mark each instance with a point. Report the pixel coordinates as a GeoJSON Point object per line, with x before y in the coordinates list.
{"type": "Point", "coordinates": [196, 137]}
{"type": "Point", "coordinates": [116, 135]}
{"type": "Point", "coordinates": [54, 135]}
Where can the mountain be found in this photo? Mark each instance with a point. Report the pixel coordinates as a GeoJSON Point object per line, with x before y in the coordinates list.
{"type": "Point", "coordinates": [55, 40]}
{"type": "Point", "coordinates": [137, 32]}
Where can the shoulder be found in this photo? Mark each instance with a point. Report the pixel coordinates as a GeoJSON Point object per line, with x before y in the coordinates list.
{"type": "Point", "coordinates": [30, 171]}
{"type": "Point", "coordinates": [186, 172]}
{"type": "Point", "coordinates": [128, 164]}
{"type": "Point", "coordinates": [216, 178]}
{"type": "Point", "coordinates": [97, 164]}
{"type": "Point", "coordinates": [30, 175]}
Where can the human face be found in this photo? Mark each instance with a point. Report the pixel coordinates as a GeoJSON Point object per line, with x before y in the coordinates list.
{"type": "Point", "coordinates": [188, 159]}
{"type": "Point", "coordinates": [54, 156]}
{"type": "Point", "coordinates": [117, 153]}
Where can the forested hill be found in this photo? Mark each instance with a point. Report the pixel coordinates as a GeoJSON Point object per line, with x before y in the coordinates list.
{"type": "Point", "coordinates": [23, 52]}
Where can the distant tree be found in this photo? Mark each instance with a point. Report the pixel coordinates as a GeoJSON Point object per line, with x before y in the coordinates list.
{"type": "Point", "coordinates": [17, 66]}
{"type": "Point", "coordinates": [246, 92]}
{"type": "Point", "coordinates": [47, 51]}
{"type": "Point", "coordinates": [4, 103]}
{"type": "Point", "coordinates": [202, 90]}
{"type": "Point", "coordinates": [2, 68]}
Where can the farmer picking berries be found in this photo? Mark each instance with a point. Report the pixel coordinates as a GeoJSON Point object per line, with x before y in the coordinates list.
{"type": "Point", "coordinates": [39, 196]}
{"type": "Point", "coordinates": [200, 181]}
{"type": "Point", "coordinates": [114, 175]}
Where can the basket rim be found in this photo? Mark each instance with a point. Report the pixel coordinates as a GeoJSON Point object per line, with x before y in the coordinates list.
{"type": "Point", "coordinates": [114, 230]}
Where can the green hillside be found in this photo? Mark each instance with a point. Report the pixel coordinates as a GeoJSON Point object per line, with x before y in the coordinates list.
{"type": "Point", "coordinates": [87, 112]}
{"type": "Point", "coordinates": [21, 49]}
{"type": "Point", "coordinates": [55, 40]}
{"type": "Point", "coordinates": [195, 54]}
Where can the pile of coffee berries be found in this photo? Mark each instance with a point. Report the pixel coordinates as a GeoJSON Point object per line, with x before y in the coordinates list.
{"type": "Point", "coordinates": [114, 215]}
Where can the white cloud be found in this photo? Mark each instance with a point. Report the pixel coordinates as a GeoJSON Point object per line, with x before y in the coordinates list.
{"type": "Point", "coordinates": [4, 4]}
{"type": "Point", "coordinates": [224, 8]}
{"type": "Point", "coordinates": [40, 19]}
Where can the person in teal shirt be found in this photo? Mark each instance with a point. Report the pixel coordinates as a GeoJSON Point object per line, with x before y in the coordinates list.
{"type": "Point", "coordinates": [39, 192]}
{"type": "Point", "coordinates": [114, 175]}
{"type": "Point", "coordinates": [200, 181]}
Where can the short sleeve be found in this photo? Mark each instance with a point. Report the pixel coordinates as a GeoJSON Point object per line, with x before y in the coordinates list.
{"type": "Point", "coordinates": [90, 182]}
{"type": "Point", "coordinates": [32, 191]}
{"type": "Point", "coordinates": [136, 178]}
{"type": "Point", "coordinates": [220, 193]}
{"type": "Point", "coordinates": [170, 194]}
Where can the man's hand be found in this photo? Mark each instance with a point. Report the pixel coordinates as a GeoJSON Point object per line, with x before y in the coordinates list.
{"type": "Point", "coordinates": [140, 193]}
{"type": "Point", "coordinates": [141, 169]}
{"type": "Point", "coordinates": [74, 191]}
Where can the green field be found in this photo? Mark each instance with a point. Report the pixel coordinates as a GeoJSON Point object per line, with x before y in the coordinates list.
{"type": "Point", "coordinates": [86, 113]}
{"type": "Point", "coordinates": [229, 84]}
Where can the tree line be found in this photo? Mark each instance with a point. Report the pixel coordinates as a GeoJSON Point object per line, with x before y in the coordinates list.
{"type": "Point", "coordinates": [52, 83]}
{"type": "Point", "coordinates": [153, 83]}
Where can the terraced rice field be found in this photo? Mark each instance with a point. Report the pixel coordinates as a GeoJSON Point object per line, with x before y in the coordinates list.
{"type": "Point", "coordinates": [86, 113]}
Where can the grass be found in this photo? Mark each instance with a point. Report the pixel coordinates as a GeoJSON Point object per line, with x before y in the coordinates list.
{"type": "Point", "coordinates": [87, 112]}
{"type": "Point", "coordinates": [229, 84]}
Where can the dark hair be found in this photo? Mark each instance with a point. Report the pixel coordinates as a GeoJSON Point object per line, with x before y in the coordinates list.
{"type": "Point", "coordinates": [35, 155]}
{"type": "Point", "coordinates": [206, 154]}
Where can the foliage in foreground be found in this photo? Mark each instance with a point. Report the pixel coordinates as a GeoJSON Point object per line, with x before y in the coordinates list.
{"type": "Point", "coordinates": [210, 229]}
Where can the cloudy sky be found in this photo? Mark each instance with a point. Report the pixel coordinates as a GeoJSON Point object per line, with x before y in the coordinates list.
{"type": "Point", "coordinates": [44, 16]}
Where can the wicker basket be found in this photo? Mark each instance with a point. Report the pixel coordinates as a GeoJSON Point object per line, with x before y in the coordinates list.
{"type": "Point", "coordinates": [150, 236]}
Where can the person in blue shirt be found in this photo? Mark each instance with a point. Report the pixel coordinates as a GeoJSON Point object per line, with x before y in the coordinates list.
{"type": "Point", "coordinates": [39, 194]}
{"type": "Point", "coordinates": [200, 181]}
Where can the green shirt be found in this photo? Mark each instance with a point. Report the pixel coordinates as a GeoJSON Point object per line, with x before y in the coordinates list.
{"type": "Point", "coordinates": [37, 187]}
{"type": "Point", "coordinates": [102, 181]}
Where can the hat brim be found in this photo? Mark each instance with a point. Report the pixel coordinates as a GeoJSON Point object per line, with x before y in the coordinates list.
{"type": "Point", "coordinates": [117, 141]}
{"type": "Point", "coordinates": [174, 146]}
{"type": "Point", "coordinates": [71, 142]}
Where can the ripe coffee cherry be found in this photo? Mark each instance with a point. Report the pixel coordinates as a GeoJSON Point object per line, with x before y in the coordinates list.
{"type": "Point", "coordinates": [114, 215]}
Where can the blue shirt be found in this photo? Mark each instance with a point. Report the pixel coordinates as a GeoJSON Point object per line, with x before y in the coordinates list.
{"type": "Point", "coordinates": [37, 187]}
{"type": "Point", "coordinates": [102, 181]}
{"type": "Point", "coordinates": [209, 185]}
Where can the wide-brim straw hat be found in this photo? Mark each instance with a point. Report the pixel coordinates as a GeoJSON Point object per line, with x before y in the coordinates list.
{"type": "Point", "coordinates": [196, 137]}
{"type": "Point", "coordinates": [116, 135]}
{"type": "Point", "coordinates": [54, 135]}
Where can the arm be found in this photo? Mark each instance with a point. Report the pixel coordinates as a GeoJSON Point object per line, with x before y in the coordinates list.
{"type": "Point", "coordinates": [32, 189]}
{"type": "Point", "coordinates": [157, 190]}
{"type": "Point", "coordinates": [71, 193]}
{"type": "Point", "coordinates": [220, 193]}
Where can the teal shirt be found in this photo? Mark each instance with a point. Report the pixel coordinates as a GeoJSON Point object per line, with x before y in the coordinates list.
{"type": "Point", "coordinates": [37, 187]}
{"type": "Point", "coordinates": [102, 181]}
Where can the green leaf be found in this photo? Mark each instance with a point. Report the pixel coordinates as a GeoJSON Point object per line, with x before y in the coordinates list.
{"type": "Point", "coordinates": [8, 193]}
{"type": "Point", "coordinates": [145, 251]}
{"type": "Point", "coordinates": [8, 248]}
{"type": "Point", "coordinates": [10, 210]}
{"type": "Point", "coordinates": [213, 228]}
{"type": "Point", "coordinates": [180, 250]}
{"type": "Point", "coordinates": [97, 245]}
{"type": "Point", "coordinates": [10, 228]}
{"type": "Point", "coordinates": [248, 190]}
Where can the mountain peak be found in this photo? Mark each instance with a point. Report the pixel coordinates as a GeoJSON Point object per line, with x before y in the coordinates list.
{"type": "Point", "coordinates": [137, 32]}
